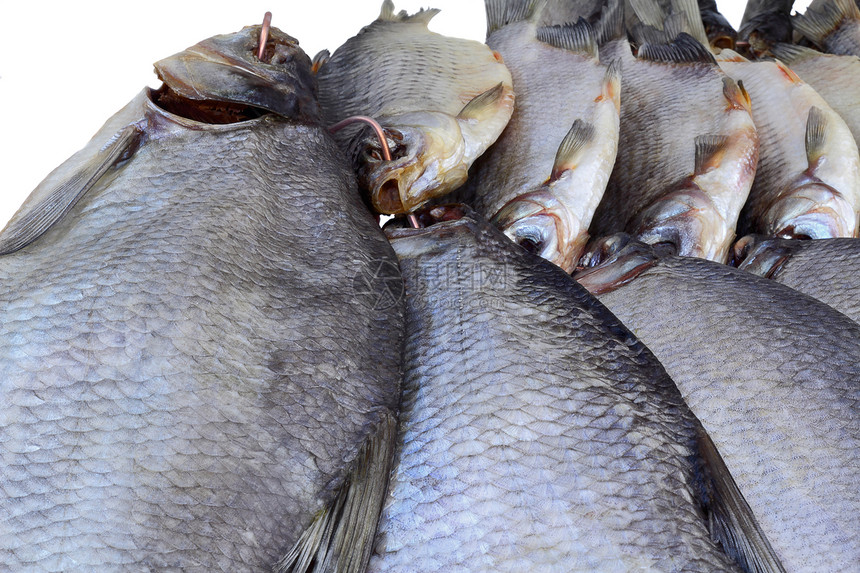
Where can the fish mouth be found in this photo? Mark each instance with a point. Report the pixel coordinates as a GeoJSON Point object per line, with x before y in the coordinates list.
{"type": "Point", "coordinates": [613, 261]}
{"type": "Point", "coordinates": [760, 255]}
{"type": "Point", "coordinates": [430, 219]}
{"type": "Point", "coordinates": [542, 225]}
{"type": "Point", "coordinates": [812, 211]}
{"type": "Point", "coordinates": [427, 152]}
{"type": "Point", "coordinates": [221, 80]}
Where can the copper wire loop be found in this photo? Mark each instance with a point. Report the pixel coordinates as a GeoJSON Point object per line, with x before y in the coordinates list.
{"type": "Point", "coordinates": [264, 35]}
{"type": "Point", "coordinates": [383, 141]}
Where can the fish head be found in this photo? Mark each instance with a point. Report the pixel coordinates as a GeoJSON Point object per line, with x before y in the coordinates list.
{"type": "Point", "coordinates": [761, 255]}
{"type": "Point", "coordinates": [613, 261]}
{"type": "Point", "coordinates": [812, 210]}
{"type": "Point", "coordinates": [225, 69]}
{"type": "Point", "coordinates": [720, 33]}
{"type": "Point", "coordinates": [427, 160]}
{"type": "Point", "coordinates": [542, 225]}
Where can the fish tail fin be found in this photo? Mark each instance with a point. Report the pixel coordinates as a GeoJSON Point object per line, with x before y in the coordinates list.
{"type": "Point", "coordinates": [500, 13]}
{"type": "Point", "coordinates": [648, 12]}
{"type": "Point", "coordinates": [341, 536]}
{"type": "Point", "coordinates": [570, 150]}
{"type": "Point", "coordinates": [610, 25]}
{"type": "Point", "coordinates": [790, 54]}
{"type": "Point", "coordinates": [423, 16]}
{"type": "Point", "coordinates": [822, 18]}
{"type": "Point", "coordinates": [694, 25]}
{"type": "Point", "coordinates": [578, 38]}
{"type": "Point", "coordinates": [730, 518]}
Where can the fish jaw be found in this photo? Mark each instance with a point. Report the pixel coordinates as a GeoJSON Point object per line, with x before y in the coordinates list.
{"type": "Point", "coordinates": [699, 218]}
{"type": "Point", "coordinates": [813, 210]}
{"type": "Point", "coordinates": [427, 161]}
{"type": "Point", "coordinates": [614, 261]}
{"type": "Point", "coordinates": [760, 255]}
{"type": "Point", "coordinates": [225, 68]}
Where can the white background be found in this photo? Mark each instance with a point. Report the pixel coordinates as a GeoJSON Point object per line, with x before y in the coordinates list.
{"type": "Point", "coordinates": [66, 67]}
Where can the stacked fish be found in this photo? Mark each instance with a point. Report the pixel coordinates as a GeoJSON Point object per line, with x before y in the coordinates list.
{"type": "Point", "coordinates": [213, 358]}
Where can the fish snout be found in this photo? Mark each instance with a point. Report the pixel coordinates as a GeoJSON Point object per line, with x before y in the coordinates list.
{"type": "Point", "coordinates": [760, 255]}
{"type": "Point", "coordinates": [426, 162]}
{"type": "Point", "coordinates": [812, 211]}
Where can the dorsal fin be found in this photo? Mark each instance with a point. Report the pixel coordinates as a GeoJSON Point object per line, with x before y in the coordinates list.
{"type": "Point", "coordinates": [423, 16]}
{"type": "Point", "coordinates": [570, 150]}
{"type": "Point", "coordinates": [790, 54]}
{"type": "Point", "coordinates": [731, 519]}
{"type": "Point", "coordinates": [31, 222]}
{"type": "Point", "coordinates": [577, 38]}
{"type": "Point", "coordinates": [816, 134]}
{"type": "Point", "coordinates": [500, 13]}
{"type": "Point", "coordinates": [684, 49]}
{"type": "Point", "coordinates": [319, 60]}
{"type": "Point", "coordinates": [340, 538]}
{"type": "Point", "coordinates": [822, 18]}
{"type": "Point", "coordinates": [709, 151]}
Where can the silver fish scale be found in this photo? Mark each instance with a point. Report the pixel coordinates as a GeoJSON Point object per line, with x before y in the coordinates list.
{"type": "Point", "coordinates": [773, 375]}
{"type": "Point", "coordinates": [390, 67]}
{"type": "Point", "coordinates": [824, 268]}
{"type": "Point", "coordinates": [554, 88]}
{"type": "Point", "coordinates": [186, 369]}
{"type": "Point", "coordinates": [535, 430]}
{"type": "Point", "coordinates": [658, 127]}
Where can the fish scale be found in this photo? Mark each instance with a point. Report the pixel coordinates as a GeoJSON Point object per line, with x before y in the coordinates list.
{"type": "Point", "coordinates": [189, 381]}
{"type": "Point", "coordinates": [773, 376]}
{"type": "Point", "coordinates": [504, 464]}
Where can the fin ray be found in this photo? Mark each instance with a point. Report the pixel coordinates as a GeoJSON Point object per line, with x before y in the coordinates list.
{"type": "Point", "coordinates": [577, 38]}
{"type": "Point", "coordinates": [570, 150]}
{"type": "Point", "coordinates": [709, 150]}
{"type": "Point", "coordinates": [731, 519]}
{"type": "Point", "coordinates": [36, 220]}
{"type": "Point", "coordinates": [500, 13]}
{"type": "Point", "coordinates": [816, 134]}
{"type": "Point", "coordinates": [684, 49]}
{"type": "Point", "coordinates": [340, 538]}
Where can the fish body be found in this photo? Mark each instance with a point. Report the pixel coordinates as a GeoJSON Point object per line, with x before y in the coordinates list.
{"type": "Point", "coordinates": [832, 25]}
{"type": "Point", "coordinates": [543, 179]}
{"type": "Point", "coordinates": [808, 178]}
{"type": "Point", "coordinates": [826, 269]}
{"type": "Point", "coordinates": [773, 376]}
{"type": "Point", "coordinates": [188, 376]}
{"type": "Point", "coordinates": [505, 464]}
{"type": "Point", "coordinates": [441, 101]}
{"type": "Point", "coordinates": [835, 78]}
{"type": "Point", "coordinates": [684, 165]}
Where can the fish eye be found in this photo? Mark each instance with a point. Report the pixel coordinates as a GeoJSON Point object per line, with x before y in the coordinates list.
{"type": "Point", "coordinates": [532, 244]}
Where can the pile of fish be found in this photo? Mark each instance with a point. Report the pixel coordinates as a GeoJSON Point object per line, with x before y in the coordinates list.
{"type": "Point", "coordinates": [611, 327]}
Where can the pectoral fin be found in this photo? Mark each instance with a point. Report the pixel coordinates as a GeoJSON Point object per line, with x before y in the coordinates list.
{"type": "Point", "coordinates": [32, 221]}
{"type": "Point", "coordinates": [341, 536]}
{"type": "Point", "coordinates": [572, 146]}
{"type": "Point", "coordinates": [731, 519]}
{"type": "Point", "coordinates": [816, 135]}
{"type": "Point", "coordinates": [483, 105]}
